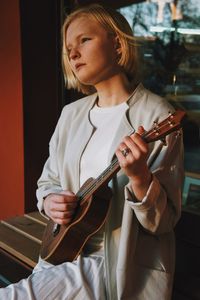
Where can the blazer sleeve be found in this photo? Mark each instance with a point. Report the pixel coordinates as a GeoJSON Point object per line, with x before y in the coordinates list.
{"type": "Point", "coordinates": [160, 209]}
{"type": "Point", "coordinates": [49, 181]}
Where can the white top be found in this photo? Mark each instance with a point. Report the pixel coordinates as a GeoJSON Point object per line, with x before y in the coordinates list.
{"type": "Point", "coordinates": [94, 160]}
{"type": "Point", "coordinates": [105, 120]}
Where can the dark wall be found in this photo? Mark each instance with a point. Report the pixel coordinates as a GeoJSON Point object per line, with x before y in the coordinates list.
{"type": "Point", "coordinates": [42, 85]}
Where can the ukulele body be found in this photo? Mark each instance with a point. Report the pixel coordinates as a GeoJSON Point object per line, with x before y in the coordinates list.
{"type": "Point", "coordinates": [90, 216]}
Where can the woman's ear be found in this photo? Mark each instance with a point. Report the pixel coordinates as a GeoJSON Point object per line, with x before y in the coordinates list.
{"type": "Point", "coordinates": [117, 45]}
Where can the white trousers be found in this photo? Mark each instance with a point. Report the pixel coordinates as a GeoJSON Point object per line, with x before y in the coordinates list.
{"type": "Point", "coordinates": [82, 279]}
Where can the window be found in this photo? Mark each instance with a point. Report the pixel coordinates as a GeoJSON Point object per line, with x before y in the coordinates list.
{"type": "Point", "coordinates": [169, 47]}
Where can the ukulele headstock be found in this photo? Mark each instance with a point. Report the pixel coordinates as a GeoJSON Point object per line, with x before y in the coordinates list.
{"type": "Point", "coordinates": [162, 129]}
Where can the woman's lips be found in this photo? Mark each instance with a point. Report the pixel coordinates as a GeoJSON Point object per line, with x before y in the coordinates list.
{"type": "Point", "coordinates": [78, 66]}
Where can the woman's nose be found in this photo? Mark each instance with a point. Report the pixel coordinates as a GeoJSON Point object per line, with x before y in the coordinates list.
{"type": "Point", "coordinates": [74, 53]}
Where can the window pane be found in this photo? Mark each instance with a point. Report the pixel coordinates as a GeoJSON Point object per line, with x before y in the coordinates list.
{"type": "Point", "coordinates": [169, 47]}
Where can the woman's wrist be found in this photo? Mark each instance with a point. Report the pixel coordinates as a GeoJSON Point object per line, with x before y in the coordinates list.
{"type": "Point", "coordinates": [142, 179]}
{"type": "Point", "coordinates": [140, 184]}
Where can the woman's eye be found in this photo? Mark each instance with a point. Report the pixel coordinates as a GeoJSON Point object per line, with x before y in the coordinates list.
{"type": "Point", "coordinates": [85, 39]}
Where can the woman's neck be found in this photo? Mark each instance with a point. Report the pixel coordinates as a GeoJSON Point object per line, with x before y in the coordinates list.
{"type": "Point", "coordinates": [114, 90]}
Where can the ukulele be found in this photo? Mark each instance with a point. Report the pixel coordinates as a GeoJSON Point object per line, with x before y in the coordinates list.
{"type": "Point", "coordinates": [63, 243]}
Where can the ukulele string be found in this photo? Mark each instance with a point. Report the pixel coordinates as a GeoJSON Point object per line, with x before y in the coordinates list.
{"type": "Point", "coordinates": [99, 179]}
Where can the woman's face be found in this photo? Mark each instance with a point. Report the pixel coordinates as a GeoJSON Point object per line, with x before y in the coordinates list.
{"type": "Point", "coordinates": [91, 51]}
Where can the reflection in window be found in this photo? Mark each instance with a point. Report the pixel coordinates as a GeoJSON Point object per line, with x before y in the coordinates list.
{"type": "Point", "coordinates": [169, 45]}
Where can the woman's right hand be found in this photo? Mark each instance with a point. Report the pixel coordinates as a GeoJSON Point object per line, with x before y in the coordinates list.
{"type": "Point", "coordinates": [61, 207]}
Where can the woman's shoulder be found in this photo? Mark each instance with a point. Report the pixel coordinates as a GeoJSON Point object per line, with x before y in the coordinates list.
{"type": "Point", "coordinates": [80, 104]}
{"type": "Point", "coordinates": [146, 98]}
{"type": "Point", "coordinates": [149, 100]}
{"type": "Point", "coordinates": [147, 107]}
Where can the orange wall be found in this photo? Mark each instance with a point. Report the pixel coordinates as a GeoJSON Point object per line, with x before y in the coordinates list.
{"type": "Point", "coordinates": [11, 112]}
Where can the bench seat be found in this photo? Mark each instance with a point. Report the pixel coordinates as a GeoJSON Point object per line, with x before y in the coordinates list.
{"type": "Point", "coordinates": [20, 241]}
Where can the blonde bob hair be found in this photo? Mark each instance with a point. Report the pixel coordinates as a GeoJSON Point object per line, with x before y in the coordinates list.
{"type": "Point", "coordinates": [115, 24]}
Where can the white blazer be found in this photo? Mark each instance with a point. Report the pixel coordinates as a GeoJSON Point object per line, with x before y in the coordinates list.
{"type": "Point", "coordinates": [139, 240]}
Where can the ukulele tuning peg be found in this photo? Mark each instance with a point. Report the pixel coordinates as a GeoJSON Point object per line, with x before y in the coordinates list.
{"type": "Point", "coordinates": [178, 133]}
{"type": "Point", "coordinates": [163, 140]}
{"type": "Point", "coordinates": [171, 124]}
{"type": "Point", "coordinates": [170, 114]}
{"type": "Point", "coordinates": [156, 131]}
{"type": "Point", "coordinates": [156, 128]}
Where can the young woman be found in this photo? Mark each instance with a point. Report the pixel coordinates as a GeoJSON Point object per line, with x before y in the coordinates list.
{"type": "Point", "coordinates": [132, 255]}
